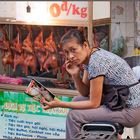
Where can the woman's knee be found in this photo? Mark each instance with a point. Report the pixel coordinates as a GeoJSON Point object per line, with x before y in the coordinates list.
{"type": "Point", "coordinates": [73, 115]}
{"type": "Point", "coordinates": [79, 98]}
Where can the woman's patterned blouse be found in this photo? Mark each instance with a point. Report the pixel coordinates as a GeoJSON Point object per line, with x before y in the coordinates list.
{"type": "Point", "coordinates": [116, 72]}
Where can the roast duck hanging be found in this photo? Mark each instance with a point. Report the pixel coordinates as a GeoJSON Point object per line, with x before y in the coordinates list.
{"type": "Point", "coordinates": [7, 57]}
{"type": "Point", "coordinates": [30, 49]}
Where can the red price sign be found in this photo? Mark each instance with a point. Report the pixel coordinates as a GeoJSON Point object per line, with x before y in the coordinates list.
{"type": "Point", "coordinates": [68, 8]}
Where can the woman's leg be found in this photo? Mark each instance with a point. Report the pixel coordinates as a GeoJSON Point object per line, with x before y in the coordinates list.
{"type": "Point", "coordinates": [69, 130]}
{"type": "Point", "coordinates": [75, 118]}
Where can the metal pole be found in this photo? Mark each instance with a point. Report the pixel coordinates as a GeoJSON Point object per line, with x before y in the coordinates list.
{"type": "Point", "coordinates": [90, 20]}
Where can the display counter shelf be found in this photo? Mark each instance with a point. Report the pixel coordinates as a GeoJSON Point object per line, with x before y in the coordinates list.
{"type": "Point", "coordinates": [56, 91]}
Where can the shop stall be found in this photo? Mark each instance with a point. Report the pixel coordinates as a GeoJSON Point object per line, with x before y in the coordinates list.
{"type": "Point", "coordinates": [30, 33]}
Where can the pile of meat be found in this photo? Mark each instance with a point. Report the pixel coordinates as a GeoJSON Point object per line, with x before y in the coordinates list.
{"type": "Point", "coordinates": [9, 80]}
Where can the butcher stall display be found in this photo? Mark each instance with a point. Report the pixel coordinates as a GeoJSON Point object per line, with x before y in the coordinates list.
{"type": "Point", "coordinates": [35, 51]}
{"type": "Point", "coordinates": [32, 50]}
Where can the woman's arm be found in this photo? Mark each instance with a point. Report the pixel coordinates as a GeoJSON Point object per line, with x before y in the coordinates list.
{"type": "Point", "coordinates": [96, 86]}
{"type": "Point", "coordinates": [82, 84]}
{"type": "Point", "coordinates": [94, 102]}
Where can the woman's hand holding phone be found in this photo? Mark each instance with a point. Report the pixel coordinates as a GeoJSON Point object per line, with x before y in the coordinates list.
{"type": "Point", "coordinates": [48, 105]}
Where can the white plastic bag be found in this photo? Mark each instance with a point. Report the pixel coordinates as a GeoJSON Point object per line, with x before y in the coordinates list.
{"type": "Point", "coordinates": [118, 41]}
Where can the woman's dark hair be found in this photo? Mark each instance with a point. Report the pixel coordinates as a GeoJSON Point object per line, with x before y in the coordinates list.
{"type": "Point", "coordinates": [73, 34]}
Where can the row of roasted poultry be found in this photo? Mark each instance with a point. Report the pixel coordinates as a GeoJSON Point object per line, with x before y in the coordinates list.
{"type": "Point", "coordinates": [29, 54]}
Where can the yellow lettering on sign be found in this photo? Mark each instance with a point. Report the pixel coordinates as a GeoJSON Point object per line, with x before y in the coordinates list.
{"type": "Point", "coordinates": [33, 108]}
{"type": "Point", "coordinates": [22, 107]}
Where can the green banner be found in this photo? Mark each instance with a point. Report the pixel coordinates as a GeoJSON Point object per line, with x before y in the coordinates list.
{"type": "Point", "coordinates": [22, 103]}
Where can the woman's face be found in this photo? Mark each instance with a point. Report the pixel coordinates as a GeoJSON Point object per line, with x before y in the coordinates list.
{"type": "Point", "coordinates": [74, 52]}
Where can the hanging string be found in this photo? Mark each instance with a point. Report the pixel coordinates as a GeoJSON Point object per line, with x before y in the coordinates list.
{"type": "Point", "coordinates": [28, 8]}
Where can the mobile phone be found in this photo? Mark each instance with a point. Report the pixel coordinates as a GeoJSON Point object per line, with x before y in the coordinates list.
{"type": "Point", "coordinates": [36, 90]}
